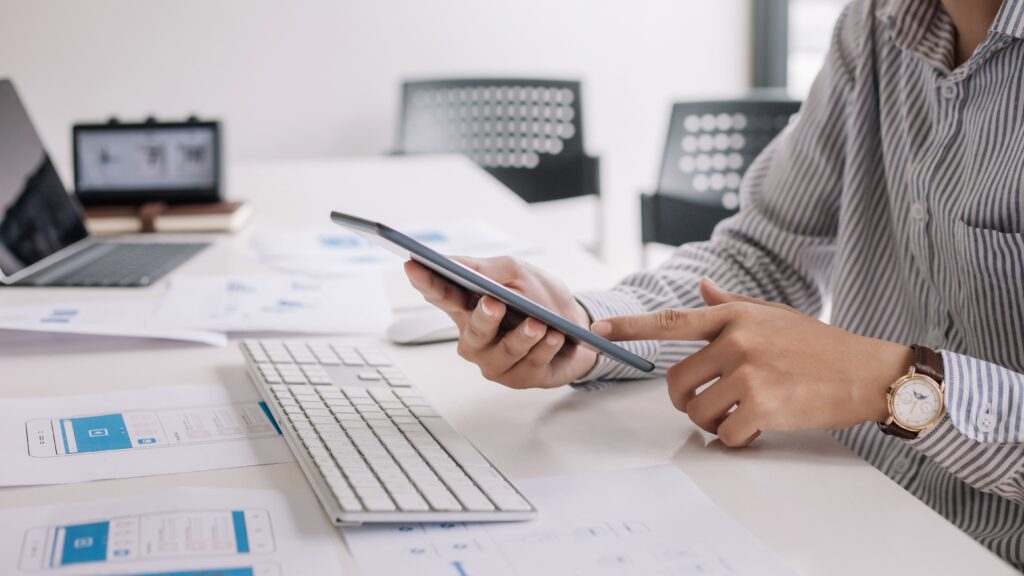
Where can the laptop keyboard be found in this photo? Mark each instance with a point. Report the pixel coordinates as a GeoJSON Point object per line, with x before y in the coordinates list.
{"type": "Point", "coordinates": [125, 264]}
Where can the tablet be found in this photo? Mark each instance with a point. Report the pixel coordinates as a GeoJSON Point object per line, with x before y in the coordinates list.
{"type": "Point", "coordinates": [478, 285]}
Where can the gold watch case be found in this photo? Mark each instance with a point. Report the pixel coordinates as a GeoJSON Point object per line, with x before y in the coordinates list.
{"type": "Point", "coordinates": [914, 375]}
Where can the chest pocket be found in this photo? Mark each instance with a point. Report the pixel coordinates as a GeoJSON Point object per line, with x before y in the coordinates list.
{"type": "Point", "coordinates": [991, 281]}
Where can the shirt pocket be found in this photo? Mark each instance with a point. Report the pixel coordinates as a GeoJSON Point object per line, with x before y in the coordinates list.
{"type": "Point", "coordinates": [991, 282]}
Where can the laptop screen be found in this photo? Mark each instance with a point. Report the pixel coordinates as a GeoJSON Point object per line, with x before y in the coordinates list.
{"type": "Point", "coordinates": [37, 216]}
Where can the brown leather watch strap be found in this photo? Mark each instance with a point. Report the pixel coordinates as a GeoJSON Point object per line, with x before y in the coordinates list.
{"type": "Point", "coordinates": [929, 363]}
{"type": "Point", "coordinates": [894, 429]}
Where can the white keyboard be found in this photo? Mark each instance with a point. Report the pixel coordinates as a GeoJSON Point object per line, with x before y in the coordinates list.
{"type": "Point", "coordinates": [372, 447]}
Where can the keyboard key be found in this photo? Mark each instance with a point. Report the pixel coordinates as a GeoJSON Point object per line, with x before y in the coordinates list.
{"type": "Point", "coordinates": [460, 448]}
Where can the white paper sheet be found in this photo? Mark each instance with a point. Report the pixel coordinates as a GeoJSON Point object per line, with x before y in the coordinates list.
{"type": "Point", "coordinates": [356, 304]}
{"type": "Point", "coordinates": [335, 251]}
{"type": "Point", "coordinates": [131, 319]}
{"type": "Point", "coordinates": [649, 522]}
{"type": "Point", "coordinates": [178, 532]}
{"type": "Point", "coordinates": [144, 432]}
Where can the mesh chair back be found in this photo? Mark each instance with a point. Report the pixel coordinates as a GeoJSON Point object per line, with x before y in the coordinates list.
{"type": "Point", "coordinates": [709, 147]}
{"type": "Point", "coordinates": [527, 133]}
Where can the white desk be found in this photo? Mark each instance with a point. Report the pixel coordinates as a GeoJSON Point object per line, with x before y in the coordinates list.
{"type": "Point", "coordinates": [822, 508]}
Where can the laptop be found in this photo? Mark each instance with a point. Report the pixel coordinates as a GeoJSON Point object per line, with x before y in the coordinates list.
{"type": "Point", "coordinates": [43, 240]}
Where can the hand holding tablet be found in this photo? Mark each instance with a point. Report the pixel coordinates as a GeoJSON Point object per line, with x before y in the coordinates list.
{"type": "Point", "coordinates": [518, 353]}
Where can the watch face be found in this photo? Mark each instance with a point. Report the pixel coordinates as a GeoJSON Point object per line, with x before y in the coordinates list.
{"type": "Point", "coordinates": [916, 403]}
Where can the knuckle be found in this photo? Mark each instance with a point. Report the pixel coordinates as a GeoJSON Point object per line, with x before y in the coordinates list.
{"type": "Point", "coordinates": [740, 341]}
{"type": "Point", "coordinates": [509, 348]}
{"type": "Point", "coordinates": [489, 373]}
{"type": "Point", "coordinates": [668, 318]}
{"type": "Point", "coordinates": [473, 330]}
{"type": "Point", "coordinates": [673, 374]}
{"type": "Point", "coordinates": [678, 398]}
{"type": "Point", "coordinates": [514, 266]}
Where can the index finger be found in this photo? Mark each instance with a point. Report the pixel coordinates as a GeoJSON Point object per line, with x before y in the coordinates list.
{"type": "Point", "coordinates": [666, 324]}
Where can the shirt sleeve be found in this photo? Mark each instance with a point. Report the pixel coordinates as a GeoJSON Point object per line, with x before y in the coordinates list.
{"type": "Point", "coordinates": [779, 247]}
{"type": "Point", "coordinates": [981, 438]}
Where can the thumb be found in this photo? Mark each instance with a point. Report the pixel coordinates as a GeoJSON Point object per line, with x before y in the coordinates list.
{"type": "Point", "coordinates": [502, 269]}
{"type": "Point", "coordinates": [713, 295]}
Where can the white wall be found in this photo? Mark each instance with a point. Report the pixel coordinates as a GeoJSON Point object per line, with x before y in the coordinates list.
{"type": "Point", "coordinates": [300, 78]}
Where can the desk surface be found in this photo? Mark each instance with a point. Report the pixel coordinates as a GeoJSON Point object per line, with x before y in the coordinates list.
{"type": "Point", "coordinates": [803, 494]}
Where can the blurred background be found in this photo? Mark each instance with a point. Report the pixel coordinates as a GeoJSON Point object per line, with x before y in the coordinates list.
{"type": "Point", "coordinates": [322, 78]}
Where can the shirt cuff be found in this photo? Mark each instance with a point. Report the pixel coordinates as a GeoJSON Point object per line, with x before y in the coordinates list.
{"type": "Point", "coordinates": [601, 305]}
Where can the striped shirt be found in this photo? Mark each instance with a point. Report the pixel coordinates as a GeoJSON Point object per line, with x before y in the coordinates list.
{"type": "Point", "coordinates": [897, 196]}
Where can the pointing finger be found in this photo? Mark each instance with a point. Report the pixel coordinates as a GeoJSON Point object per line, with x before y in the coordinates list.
{"type": "Point", "coordinates": [667, 324]}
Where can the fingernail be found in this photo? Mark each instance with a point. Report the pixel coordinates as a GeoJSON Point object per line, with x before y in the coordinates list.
{"type": "Point", "coordinates": [552, 339]}
{"type": "Point", "coordinates": [712, 283]}
{"type": "Point", "coordinates": [531, 327]}
{"type": "Point", "coordinates": [601, 328]}
{"type": "Point", "coordinates": [486, 309]}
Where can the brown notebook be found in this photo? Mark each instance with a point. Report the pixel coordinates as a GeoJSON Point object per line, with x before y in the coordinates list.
{"type": "Point", "coordinates": [160, 217]}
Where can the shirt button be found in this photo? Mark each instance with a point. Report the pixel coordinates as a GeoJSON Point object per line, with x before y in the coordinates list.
{"type": "Point", "coordinates": [949, 91]}
{"type": "Point", "coordinates": [919, 212]}
{"type": "Point", "coordinates": [900, 465]}
{"type": "Point", "coordinates": [986, 420]}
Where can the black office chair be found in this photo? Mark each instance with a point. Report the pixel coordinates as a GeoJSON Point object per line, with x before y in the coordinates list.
{"type": "Point", "coordinates": [709, 146]}
{"type": "Point", "coordinates": [527, 133]}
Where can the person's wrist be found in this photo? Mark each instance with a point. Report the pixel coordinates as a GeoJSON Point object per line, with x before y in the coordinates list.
{"type": "Point", "coordinates": [886, 365]}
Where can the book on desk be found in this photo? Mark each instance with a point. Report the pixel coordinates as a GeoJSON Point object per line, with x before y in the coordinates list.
{"type": "Point", "coordinates": [161, 217]}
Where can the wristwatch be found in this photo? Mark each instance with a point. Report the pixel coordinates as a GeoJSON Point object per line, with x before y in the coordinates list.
{"type": "Point", "coordinates": [917, 400]}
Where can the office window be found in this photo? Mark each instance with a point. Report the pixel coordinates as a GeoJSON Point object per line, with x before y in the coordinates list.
{"type": "Point", "coordinates": [810, 33]}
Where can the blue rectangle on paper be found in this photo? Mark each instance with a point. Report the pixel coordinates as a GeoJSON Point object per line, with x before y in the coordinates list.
{"type": "Point", "coordinates": [85, 543]}
{"type": "Point", "coordinates": [266, 410]}
{"type": "Point", "coordinates": [100, 433]}
{"type": "Point", "coordinates": [241, 537]}
{"type": "Point", "coordinates": [210, 572]}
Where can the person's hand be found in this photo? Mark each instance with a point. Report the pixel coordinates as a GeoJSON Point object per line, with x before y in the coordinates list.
{"type": "Point", "coordinates": [779, 368]}
{"type": "Point", "coordinates": [523, 354]}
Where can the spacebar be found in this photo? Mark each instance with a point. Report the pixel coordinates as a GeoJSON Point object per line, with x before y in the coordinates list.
{"type": "Point", "coordinates": [460, 449]}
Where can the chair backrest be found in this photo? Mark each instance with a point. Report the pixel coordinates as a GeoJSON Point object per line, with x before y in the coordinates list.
{"type": "Point", "coordinates": [528, 133]}
{"type": "Point", "coordinates": [709, 147]}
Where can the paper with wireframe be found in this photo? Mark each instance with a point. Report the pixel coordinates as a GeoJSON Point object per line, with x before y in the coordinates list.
{"type": "Point", "coordinates": [649, 521]}
{"type": "Point", "coordinates": [175, 532]}
{"type": "Point", "coordinates": [143, 432]}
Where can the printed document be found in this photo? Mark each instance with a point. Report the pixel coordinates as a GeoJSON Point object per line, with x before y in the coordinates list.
{"type": "Point", "coordinates": [142, 432]}
{"type": "Point", "coordinates": [176, 532]}
{"type": "Point", "coordinates": [647, 522]}
{"type": "Point", "coordinates": [335, 251]}
{"type": "Point", "coordinates": [356, 304]}
{"type": "Point", "coordinates": [129, 319]}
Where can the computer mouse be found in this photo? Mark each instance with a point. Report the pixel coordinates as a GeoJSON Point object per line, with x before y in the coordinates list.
{"type": "Point", "coordinates": [423, 327]}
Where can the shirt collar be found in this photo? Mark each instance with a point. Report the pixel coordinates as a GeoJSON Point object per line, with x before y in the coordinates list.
{"type": "Point", "coordinates": [909, 20]}
{"type": "Point", "coordinates": [1010, 19]}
